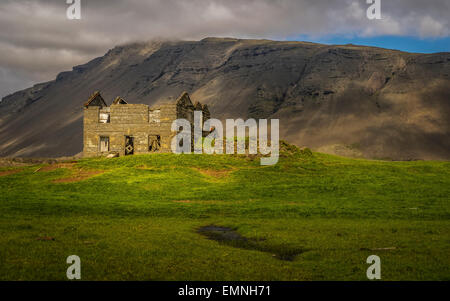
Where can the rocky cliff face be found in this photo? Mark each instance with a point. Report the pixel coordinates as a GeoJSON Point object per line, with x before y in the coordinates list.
{"type": "Point", "coordinates": [349, 100]}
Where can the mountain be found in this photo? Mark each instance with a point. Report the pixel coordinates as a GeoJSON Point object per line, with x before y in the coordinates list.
{"type": "Point", "coordinates": [344, 99]}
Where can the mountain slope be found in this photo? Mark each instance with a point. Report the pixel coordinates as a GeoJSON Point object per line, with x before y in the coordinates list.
{"type": "Point", "coordinates": [345, 99]}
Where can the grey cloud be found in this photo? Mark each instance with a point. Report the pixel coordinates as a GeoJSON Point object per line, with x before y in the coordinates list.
{"type": "Point", "coordinates": [11, 80]}
{"type": "Point", "coordinates": [37, 41]}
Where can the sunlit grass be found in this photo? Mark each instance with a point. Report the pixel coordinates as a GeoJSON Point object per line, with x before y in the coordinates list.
{"type": "Point", "coordinates": [138, 218]}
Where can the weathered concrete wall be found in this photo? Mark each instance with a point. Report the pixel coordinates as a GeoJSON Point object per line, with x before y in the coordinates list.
{"type": "Point", "coordinates": [129, 114]}
{"type": "Point", "coordinates": [133, 120]}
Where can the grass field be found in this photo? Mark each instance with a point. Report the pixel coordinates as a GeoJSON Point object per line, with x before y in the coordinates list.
{"type": "Point", "coordinates": [137, 218]}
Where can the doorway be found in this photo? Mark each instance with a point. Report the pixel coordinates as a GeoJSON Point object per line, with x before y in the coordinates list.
{"type": "Point", "coordinates": [104, 144]}
{"type": "Point", "coordinates": [154, 143]}
{"type": "Point", "coordinates": [129, 145]}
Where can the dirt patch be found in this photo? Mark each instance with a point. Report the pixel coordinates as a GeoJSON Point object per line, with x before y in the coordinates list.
{"type": "Point", "coordinates": [34, 161]}
{"type": "Point", "coordinates": [52, 167]}
{"type": "Point", "coordinates": [79, 175]}
{"type": "Point", "coordinates": [9, 172]}
{"type": "Point", "coordinates": [218, 174]}
{"type": "Point", "coordinates": [198, 201]}
{"type": "Point", "coordinates": [230, 237]}
{"type": "Point", "coordinates": [11, 163]}
{"type": "Point", "coordinates": [379, 249]}
{"type": "Point", "coordinates": [151, 168]}
{"type": "Point", "coordinates": [46, 238]}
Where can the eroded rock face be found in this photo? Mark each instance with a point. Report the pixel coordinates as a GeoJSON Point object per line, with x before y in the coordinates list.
{"type": "Point", "coordinates": [375, 102]}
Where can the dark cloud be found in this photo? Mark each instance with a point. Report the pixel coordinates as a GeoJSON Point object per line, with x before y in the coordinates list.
{"type": "Point", "coordinates": [37, 41]}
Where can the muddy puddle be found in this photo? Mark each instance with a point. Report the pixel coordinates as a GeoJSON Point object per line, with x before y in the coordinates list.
{"type": "Point", "coordinates": [230, 237]}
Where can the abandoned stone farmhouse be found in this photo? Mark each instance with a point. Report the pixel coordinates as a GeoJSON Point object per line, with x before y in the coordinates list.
{"type": "Point", "coordinates": [126, 129]}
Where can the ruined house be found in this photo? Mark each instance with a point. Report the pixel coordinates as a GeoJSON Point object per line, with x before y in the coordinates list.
{"type": "Point", "coordinates": [126, 129]}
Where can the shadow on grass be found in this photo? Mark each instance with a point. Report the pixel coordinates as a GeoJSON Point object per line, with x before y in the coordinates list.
{"type": "Point", "coordinates": [231, 237]}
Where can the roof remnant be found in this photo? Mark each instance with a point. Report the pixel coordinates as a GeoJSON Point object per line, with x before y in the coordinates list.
{"type": "Point", "coordinates": [184, 99]}
{"type": "Point", "coordinates": [119, 101]}
{"type": "Point", "coordinates": [96, 100]}
{"type": "Point", "coordinates": [198, 106]}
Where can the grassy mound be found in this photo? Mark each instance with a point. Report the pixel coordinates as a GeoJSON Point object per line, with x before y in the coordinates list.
{"type": "Point", "coordinates": [137, 217]}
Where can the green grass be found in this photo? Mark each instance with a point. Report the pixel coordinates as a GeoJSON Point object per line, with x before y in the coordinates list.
{"type": "Point", "coordinates": [139, 219]}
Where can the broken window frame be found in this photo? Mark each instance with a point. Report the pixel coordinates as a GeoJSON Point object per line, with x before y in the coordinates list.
{"type": "Point", "coordinates": [104, 115]}
{"type": "Point", "coordinates": [101, 139]}
{"type": "Point", "coordinates": [154, 116]}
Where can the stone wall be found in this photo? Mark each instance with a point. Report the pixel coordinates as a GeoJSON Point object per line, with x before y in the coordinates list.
{"type": "Point", "coordinates": [132, 120]}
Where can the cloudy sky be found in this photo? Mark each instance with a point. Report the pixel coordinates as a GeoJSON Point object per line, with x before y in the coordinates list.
{"type": "Point", "coordinates": [37, 41]}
